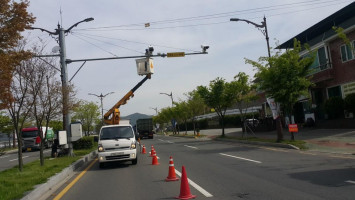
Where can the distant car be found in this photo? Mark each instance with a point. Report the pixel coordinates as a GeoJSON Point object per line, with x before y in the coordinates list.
{"type": "Point", "coordinates": [252, 122]}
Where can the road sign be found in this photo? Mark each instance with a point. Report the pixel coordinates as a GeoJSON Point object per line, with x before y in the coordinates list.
{"type": "Point", "coordinates": [176, 54]}
{"type": "Point", "coordinates": [292, 128]}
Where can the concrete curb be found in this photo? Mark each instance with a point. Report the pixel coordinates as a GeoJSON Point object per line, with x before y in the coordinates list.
{"type": "Point", "coordinates": [43, 191]}
{"type": "Point", "coordinates": [279, 145]}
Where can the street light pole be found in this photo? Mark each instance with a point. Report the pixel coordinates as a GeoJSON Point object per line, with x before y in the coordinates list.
{"type": "Point", "coordinates": [60, 31]}
{"type": "Point", "coordinates": [102, 105]}
{"type": "Point", "coordinates": [156, 110]}
{"type": "Point", "coordinates": [260, 27]}
{"type": "Point", "coordinates": [171, 96]}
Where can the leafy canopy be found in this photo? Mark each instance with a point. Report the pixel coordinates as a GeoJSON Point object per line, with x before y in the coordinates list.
{"type": "Point", "coordinates": [284, 77]}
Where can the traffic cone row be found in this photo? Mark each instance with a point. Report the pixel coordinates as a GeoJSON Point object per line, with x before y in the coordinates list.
{"type": "Point", "coordinates": [184, 185]}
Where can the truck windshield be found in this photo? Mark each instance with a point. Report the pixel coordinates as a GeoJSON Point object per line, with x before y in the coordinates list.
{"type": "Point", "coordinates": [116, 132]}
{"type": "Point", "coordinates": [29, 134]}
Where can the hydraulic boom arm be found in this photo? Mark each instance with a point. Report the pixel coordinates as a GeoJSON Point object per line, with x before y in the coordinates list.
{"type": "Point", "coordinates": [113, 115]}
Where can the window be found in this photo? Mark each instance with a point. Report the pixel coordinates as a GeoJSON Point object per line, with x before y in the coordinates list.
{"type": "Point", "coordinates": [116, 132]}
{"type": "Point", "coordinates": [334, 92]}
{"type": "Point", "coordinates": [320, 61]}
{"type": "Point", "coordinates": [347, 52]}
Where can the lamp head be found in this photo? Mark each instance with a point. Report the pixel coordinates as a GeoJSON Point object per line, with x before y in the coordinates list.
{"type": "Point", "coordinates": [234, 19]}
{"type": "Point", "coordinates": [88, 19]}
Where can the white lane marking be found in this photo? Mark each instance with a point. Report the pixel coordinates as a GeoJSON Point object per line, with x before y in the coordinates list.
{"type": "Point", "coordinates": [17, 158]}
{"type": "Point", "coordinates": [47, 151]}
{"type": "Point", "coordinates": [166, 141]}
{"type": "Point", "coordinates": [4, 156]}
{"type": "Point", "coordinates": [190, 146]}
{"type": "Point", "coordinates": [353, 182]}
{"type": "Point", "coordinates": [197, 187]}
{"type": "Point", "coordinates": [240, 158]}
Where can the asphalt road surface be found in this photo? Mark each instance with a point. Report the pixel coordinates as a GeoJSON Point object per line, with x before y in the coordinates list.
{"type": "Point", "coordinates": [220, 170]}
{"type": "Point", "coordinates": [10, 160]}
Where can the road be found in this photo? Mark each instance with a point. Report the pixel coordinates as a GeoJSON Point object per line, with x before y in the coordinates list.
{"type": "Point", "coordinates": [220, 170]}
{"type": "Point", "coordinates": [10, 160]}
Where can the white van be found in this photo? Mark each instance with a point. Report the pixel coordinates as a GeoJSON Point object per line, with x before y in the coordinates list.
{"type": "Point", "coordinates": [117, 143]}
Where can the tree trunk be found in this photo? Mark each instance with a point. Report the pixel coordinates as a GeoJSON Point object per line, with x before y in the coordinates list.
{"type": "Point", "coordinates": [185, 127]}
{"type": "Point", "coordinates": [14, 139]}
{"type": "Point", "coordinates": [290, 119]}
{"type": "Point", "coordinates": [279, 129]}
{"type": "Point", "coordinates": [20, 161]}
{"type": "Point", "coordinates": [41, 156]}
{"type": "Point", "coordinates": [222, 121]}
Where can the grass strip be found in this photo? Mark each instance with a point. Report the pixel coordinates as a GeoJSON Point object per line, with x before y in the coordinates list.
{"type": "Point", "coordinates": [14, 184]}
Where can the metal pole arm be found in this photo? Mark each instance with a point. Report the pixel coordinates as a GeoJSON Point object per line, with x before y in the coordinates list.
{"type": "Point", "coordinates": [44, 30]}
{"type": "Point", "coordinates": [249, 22]}
{"type": "Point", "coordinates": [76, 24]}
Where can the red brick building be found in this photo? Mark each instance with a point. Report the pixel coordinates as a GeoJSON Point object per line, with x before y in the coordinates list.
{"type": "Point", "coordinates": [334, 67]}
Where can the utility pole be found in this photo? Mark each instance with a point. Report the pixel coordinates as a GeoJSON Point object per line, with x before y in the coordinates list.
{"type": "Point", "coordinates": [60, 31]}
{"type": "Point", "coordinates": [64, 74]}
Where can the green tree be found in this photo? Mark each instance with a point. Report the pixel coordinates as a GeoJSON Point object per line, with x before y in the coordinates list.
{"type": "Point", "coordinates": [220, 95]}
{"type": "Point", "coordinates": [87, 113]}
{"type": "Point", "coordinates": [284, 77]}
{"type": "Point", "coordinates": [6, 125]}
{"type": "Point", "coordinates": [245, 95]}
{"type": "Point", "coordinates": [57, 125]}
{"type": "Point", "coordinates": [195, 105]}
{"type": "Point", "coordinates": [182, 113]}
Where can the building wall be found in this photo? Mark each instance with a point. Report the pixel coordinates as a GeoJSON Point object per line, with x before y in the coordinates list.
{"type": "Point", "coordinates": [343, 72]}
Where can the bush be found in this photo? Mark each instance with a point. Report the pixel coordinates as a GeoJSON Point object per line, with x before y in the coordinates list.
{"type": "Point", "coordinates": [334, 106]}
{"type": "Point", "coordinates": [84, 143]}
{"type": "Point", "coordinates": [349, 103]}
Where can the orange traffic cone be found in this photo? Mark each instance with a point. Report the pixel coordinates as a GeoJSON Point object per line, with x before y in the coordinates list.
{"type": "Point", "coordinates": [155, 159]}
{"type": "Point", "coordinates": [172, 175]}
{"type": "Point", "coordinates": [152, 151]}
{"type": "Point", "coordinates": [143, 150]}
{"type": "Point", "coordinates": [184, 187]}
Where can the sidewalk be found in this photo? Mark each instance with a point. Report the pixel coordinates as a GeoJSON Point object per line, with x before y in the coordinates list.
{"type": "Point", "coordinates": [321, 140]}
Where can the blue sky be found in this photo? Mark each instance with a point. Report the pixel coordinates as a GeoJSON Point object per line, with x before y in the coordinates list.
{"type": "Point", "coordinates": [175, 26]}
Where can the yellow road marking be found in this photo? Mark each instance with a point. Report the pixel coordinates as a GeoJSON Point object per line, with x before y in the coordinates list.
{"type": "Point", "coordinates": [65, 190]}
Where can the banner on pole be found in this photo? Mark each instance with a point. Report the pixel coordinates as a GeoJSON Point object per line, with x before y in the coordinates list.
{"type": "Point", "coordinates": [275, 107]}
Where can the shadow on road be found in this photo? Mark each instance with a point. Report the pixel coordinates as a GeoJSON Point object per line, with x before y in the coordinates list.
{"type": "Point", "coordinates": [330, 178]}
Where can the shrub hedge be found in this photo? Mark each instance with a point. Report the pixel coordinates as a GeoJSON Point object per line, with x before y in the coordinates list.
{"type": "Point", "coordinates": [85, 142]}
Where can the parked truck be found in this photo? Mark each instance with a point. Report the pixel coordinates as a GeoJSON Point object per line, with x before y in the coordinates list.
{"type": "Point", "coordinates": [31, 139]}
{"type": "Point", "coordinates": [145, 128]}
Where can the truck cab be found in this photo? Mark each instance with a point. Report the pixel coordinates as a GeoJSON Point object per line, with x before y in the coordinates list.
{"type": "Point", "coordinates": [31, 139]}
{"type": "Point", "coordinates": [117, 143]}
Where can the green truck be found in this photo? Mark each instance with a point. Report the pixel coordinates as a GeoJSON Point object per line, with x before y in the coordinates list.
{"type": "Point", "coordinates": [145, 128]}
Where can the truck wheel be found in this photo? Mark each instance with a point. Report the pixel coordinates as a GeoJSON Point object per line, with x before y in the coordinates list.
{"type": "Point", "coordinates": [134, 162]}
{"type": "Point", "coordinates": [101, 165]}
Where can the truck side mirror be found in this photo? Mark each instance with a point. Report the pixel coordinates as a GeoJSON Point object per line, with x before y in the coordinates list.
{"type": "Point", "coordinates": [96, 139]}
